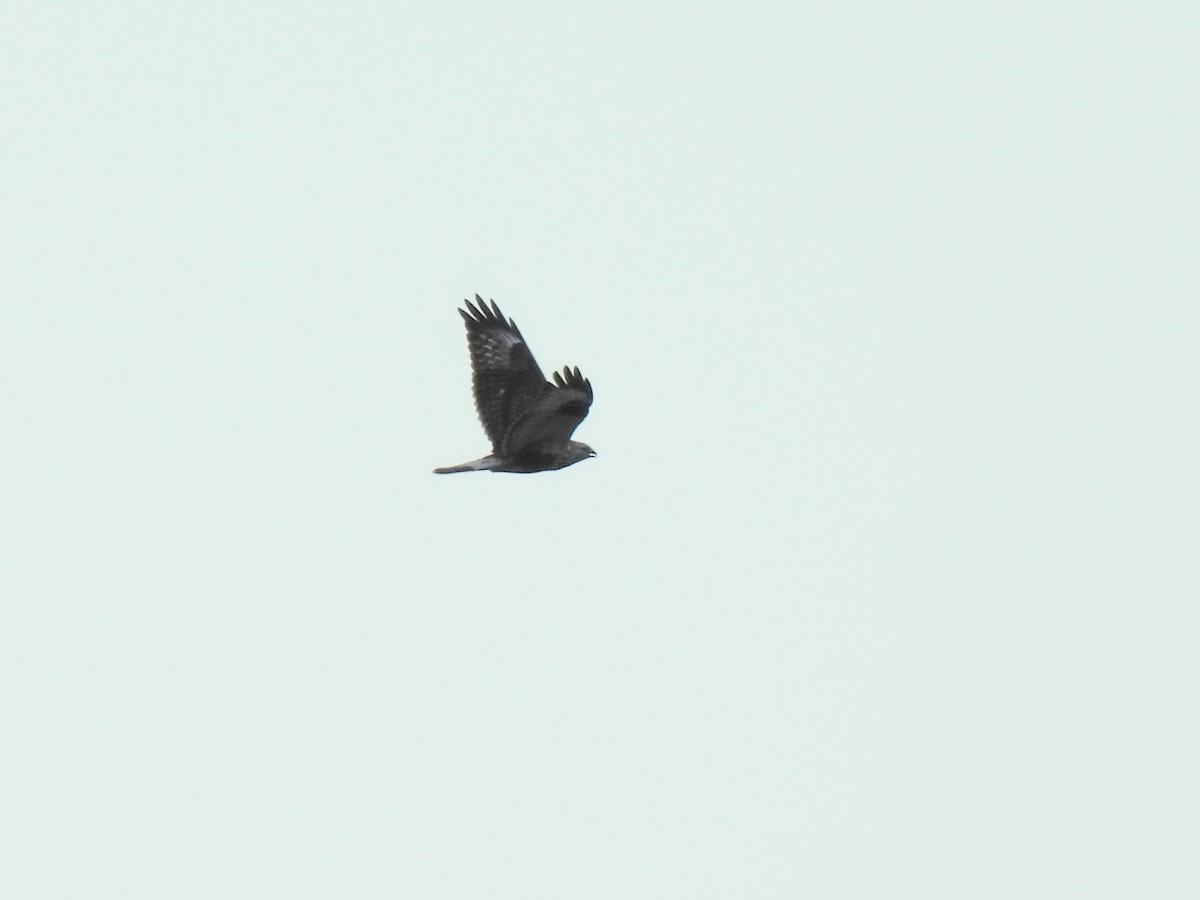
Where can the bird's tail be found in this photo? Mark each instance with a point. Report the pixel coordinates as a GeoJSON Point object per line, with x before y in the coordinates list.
{"type": "Point", "coordinates": [483, 464]}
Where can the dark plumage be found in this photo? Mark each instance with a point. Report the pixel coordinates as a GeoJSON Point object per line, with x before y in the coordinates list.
{"type": "Point", "coordinates": [528, 420]}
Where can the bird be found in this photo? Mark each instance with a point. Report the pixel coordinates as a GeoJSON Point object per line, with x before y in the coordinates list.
{"type": "Point", "coordinates": [528, 419]}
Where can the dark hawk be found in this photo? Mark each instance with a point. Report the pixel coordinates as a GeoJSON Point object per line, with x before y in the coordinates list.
{"type": "Point", "coordinates": [528, 419]}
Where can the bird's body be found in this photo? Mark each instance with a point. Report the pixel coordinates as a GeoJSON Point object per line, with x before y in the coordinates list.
{"type": "Point", "coordinates": [528, 419]}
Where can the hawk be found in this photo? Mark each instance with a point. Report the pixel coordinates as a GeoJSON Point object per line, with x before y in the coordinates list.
{"type": "Point", "coordinates": [528, 420]}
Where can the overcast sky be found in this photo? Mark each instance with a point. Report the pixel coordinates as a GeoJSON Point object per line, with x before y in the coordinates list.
{"type": "Point", "coordinates": [884, 581]}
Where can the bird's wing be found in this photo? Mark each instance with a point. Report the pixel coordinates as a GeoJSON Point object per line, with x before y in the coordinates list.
{"type": "Point", "coordinates": [554, 415]}
{"type": "Point", "coordinates": [505, 376]}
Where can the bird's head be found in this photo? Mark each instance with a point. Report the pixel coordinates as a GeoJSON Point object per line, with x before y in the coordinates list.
{"type": "Point", "coordinates": [581, 451]}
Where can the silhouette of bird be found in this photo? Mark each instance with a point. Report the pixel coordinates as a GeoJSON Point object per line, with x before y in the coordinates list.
{"type": "Point", "coordinates": [528, 419]}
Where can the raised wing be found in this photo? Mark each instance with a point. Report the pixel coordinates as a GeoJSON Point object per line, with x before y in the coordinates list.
{"type": "Point", "coordinates": [554, 414]}
{"type": "Point", "coordinates": [504, 375]}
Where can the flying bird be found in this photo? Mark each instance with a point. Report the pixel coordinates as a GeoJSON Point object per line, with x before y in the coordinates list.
{"type": "Point", "coordinates": [528, 419]}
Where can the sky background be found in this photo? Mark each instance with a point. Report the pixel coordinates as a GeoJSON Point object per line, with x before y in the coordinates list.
{"type": "Point", "coordinates": [884, 582]}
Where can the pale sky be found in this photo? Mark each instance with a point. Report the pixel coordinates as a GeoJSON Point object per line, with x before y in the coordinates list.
{"type": "Point", "coordinates": [884, 582]}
